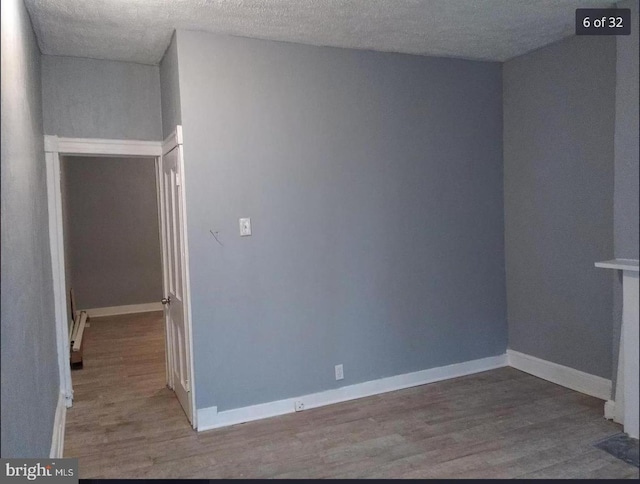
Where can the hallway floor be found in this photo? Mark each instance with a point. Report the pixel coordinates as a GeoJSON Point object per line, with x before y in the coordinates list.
{"type": "Point", "coordinates": [125, 423]}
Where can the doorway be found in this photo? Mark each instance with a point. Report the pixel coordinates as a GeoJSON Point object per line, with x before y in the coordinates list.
{"type": "Point", "coordinates": [165, 161]}
{"type": "Point", "coordinates": [113, 262]}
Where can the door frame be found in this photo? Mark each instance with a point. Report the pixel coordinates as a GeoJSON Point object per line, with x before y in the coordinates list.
{"type": "Point", "coordinates": [55, 147]}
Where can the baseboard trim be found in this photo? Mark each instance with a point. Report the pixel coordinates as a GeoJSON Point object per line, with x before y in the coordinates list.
{"type": "Point", "coordinates": [59, 422]}
{"type": "Point", "coordinates": [612, 411]}
{"type": "Point", "coordinates": [129, 309]}
{"type": "Point", "coordinates": [561, 375]}
{"type": "Point", "coordinates": [209, 418]}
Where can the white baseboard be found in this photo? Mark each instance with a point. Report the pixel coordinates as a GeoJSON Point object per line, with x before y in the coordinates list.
{"type": "Point", "coordinates": [612, 411]}
{"type": "Point", "coordinates": [129, 309]}
{"type": "Point", "coordinates": [562, 375]}
{"type": "Point", "coordinates": [209, 418]}
{"type": "Point", "coordinates": [59, 421]}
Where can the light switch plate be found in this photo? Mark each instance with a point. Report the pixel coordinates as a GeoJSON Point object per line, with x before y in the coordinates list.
{"type": "Point", "coordinates": [245, 227]}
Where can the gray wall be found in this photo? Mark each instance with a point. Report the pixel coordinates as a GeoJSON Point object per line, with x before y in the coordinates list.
{"type": "Point", "coordinates": [374, 184]}
{"type": "Point", "coordinates": [627, 147]}
{"type": "Point", "coordinates": [625, 208]}
{"type": "Point", "coordinates": [558, 177]}
{"type": "Point", "coordinates": [112, 238]}
{"type": "Point", "coordinates": [87, 98]}
{"type": "Point", "coordinates": [29, 367]}
{"type": "Point", "coordinates": [170, 89]}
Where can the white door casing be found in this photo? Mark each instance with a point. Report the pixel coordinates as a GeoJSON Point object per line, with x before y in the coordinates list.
{"type": "Point", "coordinates": [56, 242]}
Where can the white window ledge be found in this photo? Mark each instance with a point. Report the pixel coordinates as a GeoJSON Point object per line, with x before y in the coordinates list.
{"type": "Point", "coordinates": [620, 264]}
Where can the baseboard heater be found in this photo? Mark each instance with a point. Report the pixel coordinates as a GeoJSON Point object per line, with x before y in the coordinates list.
{"type": "Point", "coordinates": [76, 331]}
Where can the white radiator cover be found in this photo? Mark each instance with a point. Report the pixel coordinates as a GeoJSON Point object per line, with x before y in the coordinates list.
{"type": "Point", "coordinates": [624, 408]}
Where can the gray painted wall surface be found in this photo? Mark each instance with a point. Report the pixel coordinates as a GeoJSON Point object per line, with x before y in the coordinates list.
{"type": "Point", "coordinates": [170, 89]}
{"type": "Point", "coordinates": [627, 146]}
{"type": "Point", "coordinates": [29, 367]}
{"type": "Point", "coordinates": [374, 185]}
{"type": "Point", "coordinates": [558, 177]}
{"type": "Point", "coordinates": [113, 239]}
{"type": "Point", "coordinates": [88, 98]}
{"type": "Point", "coordinates": [625, 201]}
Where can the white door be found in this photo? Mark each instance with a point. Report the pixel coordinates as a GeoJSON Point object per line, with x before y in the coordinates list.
{"type": "Point", "coordinates": [175, 305]}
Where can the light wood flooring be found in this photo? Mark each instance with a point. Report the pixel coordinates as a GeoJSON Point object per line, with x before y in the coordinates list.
{"type": "Point", "coordinates": [503, 423]}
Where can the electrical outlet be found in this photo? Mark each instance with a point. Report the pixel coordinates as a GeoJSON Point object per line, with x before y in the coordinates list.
{"type": "Point", "coordinates": [339, 372]}
{"type": "Point", "coordinates": [299, 406]}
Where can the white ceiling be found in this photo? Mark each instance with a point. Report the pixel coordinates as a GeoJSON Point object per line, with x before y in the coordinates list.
{"type": "Point", "coordinates": [140, 30]}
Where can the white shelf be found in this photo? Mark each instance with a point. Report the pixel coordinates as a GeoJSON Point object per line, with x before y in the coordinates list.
{"type": "Point", "coordinates": [620, 264]}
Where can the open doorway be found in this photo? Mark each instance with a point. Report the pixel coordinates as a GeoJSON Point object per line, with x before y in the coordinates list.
{"type": "Point", "coordinates": [117, 224]}
{"type": "Point", "coordinates": [113, 259]}
{"type": "Point", "coordinates": [113, 271]}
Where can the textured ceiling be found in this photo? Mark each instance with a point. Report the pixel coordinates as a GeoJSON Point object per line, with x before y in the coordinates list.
{"type": "Point", "coordinates": [140, 30]}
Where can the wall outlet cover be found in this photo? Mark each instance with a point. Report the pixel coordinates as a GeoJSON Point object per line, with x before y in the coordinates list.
{"type": "Point", "coordinates": [245, 227]}
{"type": "Point", "coordinates": [339, 372]}
{"type": "Point", "coordinates": [299, 406]}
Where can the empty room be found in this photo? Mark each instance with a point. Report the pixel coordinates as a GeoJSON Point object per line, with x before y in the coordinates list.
{"type": "Point", "coordinates": [319, 239]}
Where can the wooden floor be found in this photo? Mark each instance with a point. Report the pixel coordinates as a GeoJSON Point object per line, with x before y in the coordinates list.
{"type": "Point", "coordinates": [503, 423]}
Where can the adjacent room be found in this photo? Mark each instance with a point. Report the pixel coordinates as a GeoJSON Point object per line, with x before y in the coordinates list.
{"type": "Point", "coordinates": [112, 233]}
{"type": "Point", "coordinates": [321, 239]}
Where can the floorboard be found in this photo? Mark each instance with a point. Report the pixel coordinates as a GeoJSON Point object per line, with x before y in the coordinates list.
{"type": "Point", "coordinates": [125, 423]}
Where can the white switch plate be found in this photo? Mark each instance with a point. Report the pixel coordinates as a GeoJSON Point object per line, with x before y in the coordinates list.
{"type": "Point", "coordinates": [339, 372]}
{"type": "Point", "coordinates": [245, 227]}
